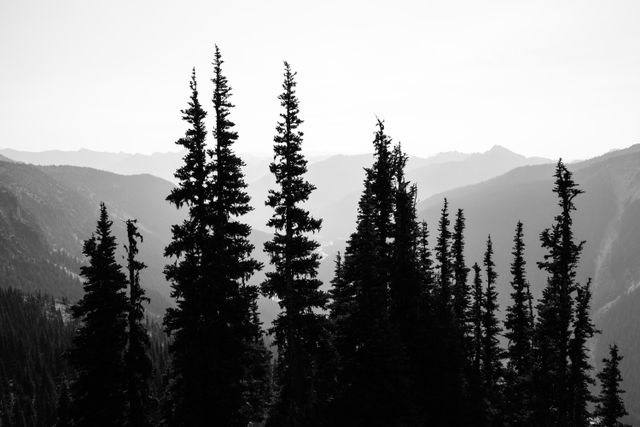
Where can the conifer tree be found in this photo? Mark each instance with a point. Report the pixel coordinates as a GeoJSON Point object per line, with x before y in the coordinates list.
{"type": "Point", "coordinates": [366, 399]}
{"type": "Point", "coordinates": [477, 390]}
{"type": "Point", "coordinates": [460, 272]}
{"type": "Point", "coordinates": [443, 259]}
{"type": "Point", "coordinates": [425, 263]}
{"type": "Point", "coordinates": [556, 309]}
{"type": "Point", "coordinates": [404, 286]}
{"type": "Point", "coordinates": [519, 333]}
{"type": "Point", "coordinates": [610, 408]}
{"type": "Point", "coordinates": [491, 352]}
{"type": "Point", "coordinates": [216, 335]}
{"type": "Point", "coordinates": [448, 380]}
{"type": "Point", "coordinates": [422, 348]}
{"type": "Point", "coordinates": [231, 264]}
{"type": "Point", "coordinates": [98, 347]}
{"type": "Point", "coordinates": [300, 329]}
{"type": "Point", "coordinates": [476, 316]}
{"type": "Point", "coordinates": [189, 393]}
{"type": "Point", "coordinates": [136, 359]}
{"type": "Point", "coordinates": [580, 368]}
{"type": "Point", "coordinates": [339, 292]}
{"type": "Point", "coordinates": [341, 307]}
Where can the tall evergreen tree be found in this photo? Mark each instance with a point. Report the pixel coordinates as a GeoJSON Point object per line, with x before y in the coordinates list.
{"type": "Point", "coordinates": [476, 316]}
{"type": "Point", "coordinates": [98, 347]}
{"type": "Point", "coordinates": [580, 368]}
{"type": "Point", "coordinates": [216, 334]}
{"type": "Point", "coordinates": [404, 286]}
{"type": "Point", "coordinates": [300, 328]}
{"type": "Point", "coordinates": [477, 410]}
{"type": "Point", "coordinates": [231, 264]}
{"type": "Point", "coordinates": [341, 307]}
{"type": "Point", "coordinates": [610, 408]}
{"type": "Point", "coordinates": [519, 333]}
{"type": "Point", "coordinates": [556, 309]}
{"type": "Point", "coordinates": [492, 354]}
{"type": "Point", "coordinates": [425, 263]}
{"type": "Point", "coordinates": [187, 274]}
{"type": "Point", "coordinates": [136, 358]}
{"type": "Point", "coordinates": [448, 381]}
{"type": "Point", "coordinates": [443, 258]}
{"type": "Point", "coordinates": [460, 272]}
{"type": "Point", "coordinates": [422, 357]}
{"type": "Point", "coordinates": [366, 399]}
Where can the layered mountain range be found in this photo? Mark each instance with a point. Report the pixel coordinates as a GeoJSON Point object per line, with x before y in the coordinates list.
{"type": "Point", "coordinates": [47, 211]}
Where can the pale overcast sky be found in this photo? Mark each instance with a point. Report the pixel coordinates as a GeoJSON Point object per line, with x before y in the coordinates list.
{"type": "Point", "coordinates": [550, 78]}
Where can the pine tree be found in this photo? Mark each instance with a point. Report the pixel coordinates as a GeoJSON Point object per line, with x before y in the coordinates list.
{"type": "Point", "coordinates": [556, 309]}
{"type": "Point", "coordinates": [460, 273]}
{"type": "Point", "coordinates": [214, 327]}
{"type": "Point", "coordinates": [232, 265]}
{"type": "Point", "coordinates": [580, 368]}
{"type": "Point", "coordinates": [136, 359]}
{"type": "Point", "coordinates": [476, 316]}
{"type": "Point", "coordinates": [365, 399]}
{"type": "Point", "coordinates": [492, 354]}
{"type": "Point", "coordinates": [443, 269]}
{"type": "Point", "coordinates": [519, 333]}
{"type": "Point", "coordinates": [477, 390]}
{"type": "Point", "coordinates": [425, 263]}
{"type": "Point", "coordinates": [98, 347]}
{"type": "Point", "coordinates": [422, 348]}
{"type": "Point", "coordinates": [405, 286]}
{"type": "Point", "coordinates": [341, 307]}
{"type": "Point", "coordinates": [187, 274]}
{"type": "Point", "coordinates": [300, 329]}
{"type": "Point", "coordinates": [448, 382]}
{"type": "Point", "coordinates": [610, 408]}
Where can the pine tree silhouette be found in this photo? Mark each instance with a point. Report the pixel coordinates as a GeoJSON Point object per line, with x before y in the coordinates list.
{"type": "Point", "coordinates": [492, 354]}
{"type": "Point", "coordinates": [519, 333]}
{"type": "Point", "coordinates": [300, 329]}
{"type": "Point", "coordinates": [217, 346]}
{"type": "Point", "coordinates": [580, 368]}
{"type": "Point", "coordinates": [556, 309]}
{"type": "Point", "coordinates": [460, 273]}
{"type": "Point", "coordinates": [610, 408]}
{"type": "Point", "coordinates": [98, 397]}
{"type": "Point", "coordinates": [365, 399]}
{"type": "Point", "coordinates": [405, 286]}
{"type": "Point", "coordinates": [136, 359]}
{"type": "Point", "coordinates": [447, 376]}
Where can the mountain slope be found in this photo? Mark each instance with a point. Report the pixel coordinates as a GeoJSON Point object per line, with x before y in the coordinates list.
{"type": "Point", "coordinates": [46, 212]}
{"type": "Point", "coordinates": [45, 218]}
{"type": "Point", "coordinates": [162, 165]}
{"type": "Point", "coordinates": [431, 177]}
{"type": "Point", "coordinates": [606, 218]}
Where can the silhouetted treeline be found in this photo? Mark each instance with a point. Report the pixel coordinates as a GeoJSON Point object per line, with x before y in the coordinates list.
{"type": "Point", "coordinates": [408, 335]}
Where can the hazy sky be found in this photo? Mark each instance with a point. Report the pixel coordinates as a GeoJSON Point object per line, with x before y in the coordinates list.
{"type": "Point", "coordinates": [556, 78]}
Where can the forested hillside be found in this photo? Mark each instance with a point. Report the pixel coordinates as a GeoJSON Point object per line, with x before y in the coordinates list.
{"type": "Point", "coordinates": [33, 338]}
{"type": "Point", "coordinates": [606, 218]}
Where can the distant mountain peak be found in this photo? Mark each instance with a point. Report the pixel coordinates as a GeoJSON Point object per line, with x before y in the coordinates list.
{"type": "Point", "coordinates": [499, 149]}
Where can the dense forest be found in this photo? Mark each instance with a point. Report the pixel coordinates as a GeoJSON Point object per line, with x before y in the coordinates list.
{"type": "Point", "coordinates": [409, 333]}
